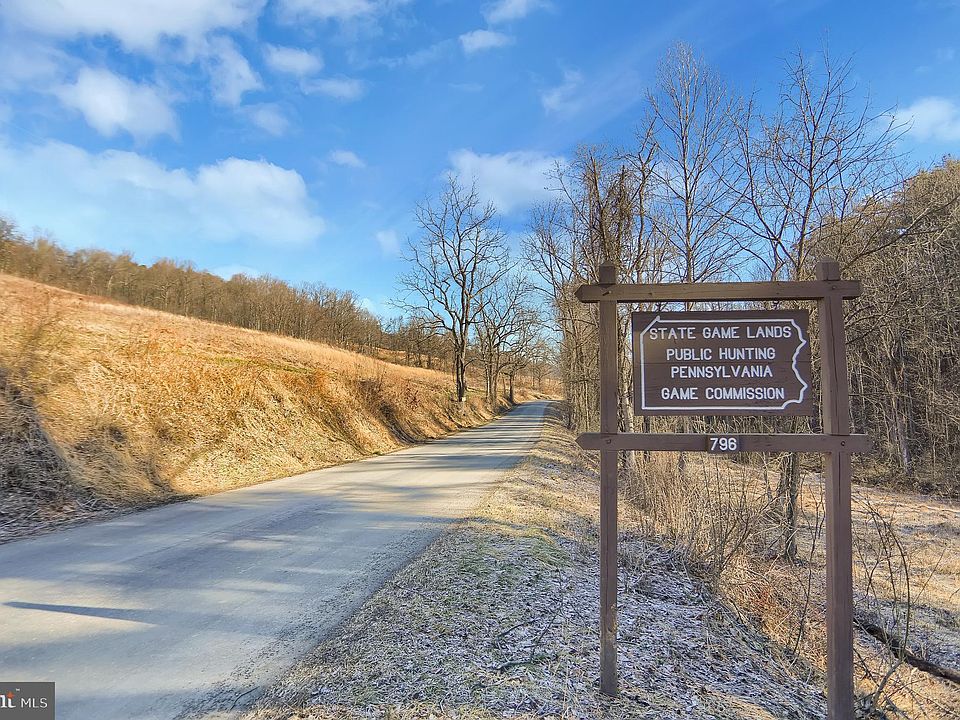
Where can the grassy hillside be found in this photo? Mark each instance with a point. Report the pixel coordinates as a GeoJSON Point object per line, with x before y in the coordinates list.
{"type": "Point", "coordinates": [105, 405]}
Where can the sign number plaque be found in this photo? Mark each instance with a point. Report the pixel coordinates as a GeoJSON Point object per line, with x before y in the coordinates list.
{"type": "Point", "coordinates": [723, 444]}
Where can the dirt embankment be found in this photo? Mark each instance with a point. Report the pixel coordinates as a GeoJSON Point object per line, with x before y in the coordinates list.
{"type": "Point", "coordinates": [105, 406]}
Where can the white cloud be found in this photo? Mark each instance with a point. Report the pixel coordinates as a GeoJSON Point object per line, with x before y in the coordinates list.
{"type": "Point", "coordinates": [138, 24]}
{"type": "Point", "coordinates": [565, 97]}
{"type": "Point", "coordinates": [30, 63]}
{"type": "Point", "coordinates": [240, 186]}
{"type": "Point", "coordinates": [325, 9]}
{"type": "Point", "coordinates": [268, 117]}
{"type": "Point", "coordinates": [932, 118]}
{"type": "Point", "coordinates": [389, 242]}
{"type": "Point", "coordinates": [346, 158]}
{"type": "Point", "coordinates": [424, 56]}
{"type": "Point", "coordinates": [230, 74]}
{"type": "Point", "coordinates": [91, 199]}
{"type": "Point", "coordinates": [511, 180]}
{"type": "Point", "coordinates": [293, 61]}
{"type": "Point", "coordinates": [345, 89]}
{"type": "Point", "coordinates": [111, 103]}
{"type": "Point", "coordinates": [183, 29]}
{"type": "Point", "coordinates": [585, 103]}
{"type": "Point", "coordinates": [477, 40]}
{"type": "Point", "coordinates": [418, 58]}
{"type": "Point", "coordinates": [507, 10]}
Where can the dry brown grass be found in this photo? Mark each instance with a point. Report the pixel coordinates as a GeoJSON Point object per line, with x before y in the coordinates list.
{"type": "Point", "coordinates": [108, 404]}
{"type": "Point", "coordinates": [723, 516]}
{"type": "Point", "coordinates": [906, 580]}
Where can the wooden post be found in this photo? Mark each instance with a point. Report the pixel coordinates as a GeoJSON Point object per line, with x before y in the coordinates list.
{"type": "Point", "coordinates": [836, 421]}
{"type": "Point", "coordinates": [609, 423]}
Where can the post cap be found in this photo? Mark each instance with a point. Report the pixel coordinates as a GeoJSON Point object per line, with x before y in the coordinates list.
{"type": "Point", "coordinates": [608, 274]}
{"type": "Point", "coordinates": [828, 269]}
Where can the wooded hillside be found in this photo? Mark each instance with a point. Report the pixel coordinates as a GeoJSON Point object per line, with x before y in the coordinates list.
{"type": "Point", "coordinates": [312, 311]}
{"type": "Point", "coordinates": [905, 332]}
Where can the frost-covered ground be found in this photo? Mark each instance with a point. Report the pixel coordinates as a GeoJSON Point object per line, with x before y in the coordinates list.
{"type": "Point", "coordinates": [498, 619]}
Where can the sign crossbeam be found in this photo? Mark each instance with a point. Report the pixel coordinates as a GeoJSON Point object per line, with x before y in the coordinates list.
{"type": "Point", "coordinates": [731, 362]}
{"type": "Point", "coordinates": [747, 442]}
{"type": "Point", "coordinates": [707, 292]}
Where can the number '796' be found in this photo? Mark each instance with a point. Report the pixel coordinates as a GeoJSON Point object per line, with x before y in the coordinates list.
{"type": "Point", "coordinates": [721, 444]}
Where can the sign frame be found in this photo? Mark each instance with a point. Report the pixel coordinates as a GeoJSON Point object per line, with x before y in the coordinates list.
{"type": "Point", "coordinates": [829, 291]}
{"type": "Point", "coordinates": [800, 362]}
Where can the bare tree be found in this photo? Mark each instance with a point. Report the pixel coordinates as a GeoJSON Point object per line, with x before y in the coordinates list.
{"type": "Point", "coordinates": [550, 250]}
{"type": "Point", "coordinates": [824, 160]}
{"type": "Point", "coordinates": [503, 331]}
{"type": "Point", "coordinates": [460, 255]}
{"type": "Point", "coordinates": [602, 216]}
{"type": "Point", "coordinates": [821, 166]}
{"type": "Point", "coordinates": [692, 110]}
{"type": "Point", "coordinates": [523, 350]}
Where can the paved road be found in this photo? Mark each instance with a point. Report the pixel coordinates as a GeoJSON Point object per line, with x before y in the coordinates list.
{"type": "Point", "coordinates": [189, 610]}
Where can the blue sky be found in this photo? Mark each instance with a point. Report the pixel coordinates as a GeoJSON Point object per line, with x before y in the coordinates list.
{"type": "Point", "coordinates": [294, 137]}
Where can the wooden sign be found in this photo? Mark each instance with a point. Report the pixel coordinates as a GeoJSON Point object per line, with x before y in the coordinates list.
{"type": "Point", "coordinates": [733, 362]}
{"type": "Point", "coordinates": [752, 362]}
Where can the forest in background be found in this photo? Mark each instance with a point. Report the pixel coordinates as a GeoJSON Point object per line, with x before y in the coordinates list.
{"type": "Point", "coordinates": [311, 312]}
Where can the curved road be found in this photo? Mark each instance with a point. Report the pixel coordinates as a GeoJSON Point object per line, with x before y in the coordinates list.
{"type": "Point", "coordinates": [190, 610]}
